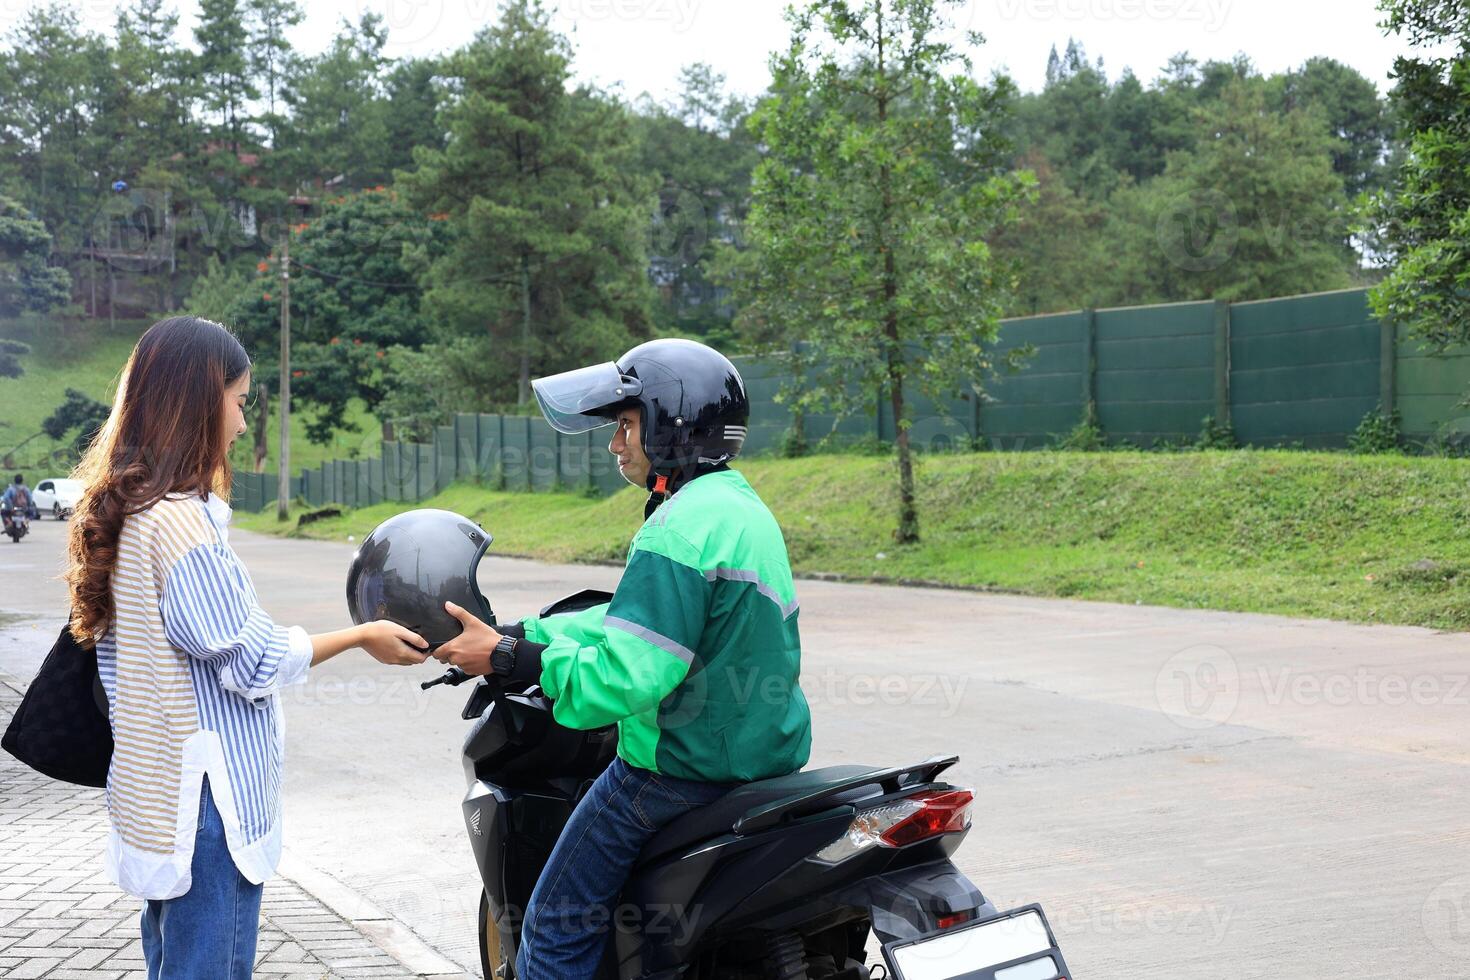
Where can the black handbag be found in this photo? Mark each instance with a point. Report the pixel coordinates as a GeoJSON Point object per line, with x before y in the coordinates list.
{"type": "Point", "coordinates": [61, 728]}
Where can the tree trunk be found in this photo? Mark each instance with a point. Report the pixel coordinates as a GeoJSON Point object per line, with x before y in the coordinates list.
{"type": "Point", "coordinates": [907, 510]}
{"type": "Point", "coordinates": [262, 427]}
{"type": "Point", "coordinates": [283, 409]}
{"type": "Point", "coordinates": [907, 531]}
{"type": "Point", "coordinates": [523, 384]}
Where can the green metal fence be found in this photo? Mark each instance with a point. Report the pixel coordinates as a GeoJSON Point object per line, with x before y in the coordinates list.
{"type": "Point", "coordinates": [1302, 370]}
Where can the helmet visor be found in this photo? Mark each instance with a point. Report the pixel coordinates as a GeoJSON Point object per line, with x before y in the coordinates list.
{"type": "Point", "coordinates": [575, 401]}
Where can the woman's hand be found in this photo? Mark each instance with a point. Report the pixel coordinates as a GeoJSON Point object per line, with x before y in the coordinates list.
{"type": "Point", "coordinates": [388, 643]}
{"type": "Point", "coordinates": [470, 650]}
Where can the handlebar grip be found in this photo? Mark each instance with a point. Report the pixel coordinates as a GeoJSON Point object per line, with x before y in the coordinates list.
{"type": "Point", "coordinates": [453, 677]}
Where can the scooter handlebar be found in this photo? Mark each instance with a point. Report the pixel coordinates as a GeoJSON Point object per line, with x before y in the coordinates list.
{"type": "Point", "coordinates": [453, 677]}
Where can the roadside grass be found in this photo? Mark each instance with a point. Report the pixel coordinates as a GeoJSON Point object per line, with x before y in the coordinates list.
{"type": "Point", "coordinates": [1364, 539]}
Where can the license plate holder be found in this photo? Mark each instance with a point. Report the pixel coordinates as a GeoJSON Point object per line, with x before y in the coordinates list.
{"type": "Point", "coordinates": [1013, 945]}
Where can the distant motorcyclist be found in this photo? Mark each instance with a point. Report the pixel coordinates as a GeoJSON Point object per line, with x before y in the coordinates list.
{"type": "Point", "coordinates": [17, 497]}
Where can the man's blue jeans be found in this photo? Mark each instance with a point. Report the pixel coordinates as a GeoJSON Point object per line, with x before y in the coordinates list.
{"type": "Point", "coordinates": [565, 929]}
{"type": "Point", "coordinates": [210, 930]}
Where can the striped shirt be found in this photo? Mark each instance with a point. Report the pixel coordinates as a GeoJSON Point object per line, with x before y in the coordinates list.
{"type": "Point", "coordinates": [192, 666]}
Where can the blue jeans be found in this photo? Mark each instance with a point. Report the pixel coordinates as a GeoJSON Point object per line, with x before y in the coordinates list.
{"type": "Point", "coordinates": [209, 932]}
{"type": "Point", "coordinates": [564, 931]}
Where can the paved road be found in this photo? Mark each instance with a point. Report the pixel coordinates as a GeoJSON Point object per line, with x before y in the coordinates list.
{"type": "Point", "coordinates": [1190, 794]}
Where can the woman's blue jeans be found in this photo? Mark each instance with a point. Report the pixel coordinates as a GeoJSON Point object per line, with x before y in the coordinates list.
{"type": "Point", "coordinates": [564, 932]}
{"type": "Point", "coordinates": [209, 932]}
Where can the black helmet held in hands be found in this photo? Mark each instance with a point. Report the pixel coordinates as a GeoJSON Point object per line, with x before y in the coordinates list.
{"type": "Point", "coordinates": [692, 399]}
{"type": "Point", "coordinates": [411, 564]}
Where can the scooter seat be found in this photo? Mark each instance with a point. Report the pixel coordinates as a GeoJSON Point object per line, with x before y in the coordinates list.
{"type": "Point", "coordinates": [719, 817]}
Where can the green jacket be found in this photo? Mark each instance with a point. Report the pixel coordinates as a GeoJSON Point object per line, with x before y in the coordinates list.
{"type": "Point", "coordinates": [697, 657]}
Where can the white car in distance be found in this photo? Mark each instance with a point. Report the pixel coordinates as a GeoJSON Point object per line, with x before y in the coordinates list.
{"type": "Point", "coordinates": [57, 496]}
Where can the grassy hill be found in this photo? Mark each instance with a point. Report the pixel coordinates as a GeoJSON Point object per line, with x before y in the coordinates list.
{"type": "Point", "coordinates": [89, 355]}
{"type": "Point", "coordinates": [1367, 539]}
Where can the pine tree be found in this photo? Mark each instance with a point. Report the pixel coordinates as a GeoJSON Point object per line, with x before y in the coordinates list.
{"type": "Point", "coordinates": [271, 58]}
{"type": "Point", "coordinates": [224, 40]}
{"type": "Point", "coordinates": [549, 265]}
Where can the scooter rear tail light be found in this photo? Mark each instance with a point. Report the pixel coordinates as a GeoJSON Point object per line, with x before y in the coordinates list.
{"type": "Point", "coordinates": [901, 822]}
{"type": "Point", "coordinates": [941, 813]}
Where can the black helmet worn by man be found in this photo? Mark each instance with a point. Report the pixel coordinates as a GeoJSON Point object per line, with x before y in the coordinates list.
{"type": "Point", "coordinates": [697, 657]}
{"type": "Point", "coordinates": [691, 402]}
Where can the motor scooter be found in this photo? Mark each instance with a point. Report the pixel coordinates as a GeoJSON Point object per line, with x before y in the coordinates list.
{"type": "Point", "coordinates": [17, 524]}
{"type": "Point", "coordinates": [783, 878]}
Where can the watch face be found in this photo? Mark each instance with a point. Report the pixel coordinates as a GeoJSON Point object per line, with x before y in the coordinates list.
{"type": "Point", "coordinates": [502, 658]}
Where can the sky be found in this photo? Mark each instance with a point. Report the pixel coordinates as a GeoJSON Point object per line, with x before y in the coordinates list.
{"type": "Point", "coordinates": [640, 45]}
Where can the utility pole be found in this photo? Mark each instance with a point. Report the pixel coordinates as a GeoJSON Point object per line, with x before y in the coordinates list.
{"type": "Point", "coordinates": [283, 476]}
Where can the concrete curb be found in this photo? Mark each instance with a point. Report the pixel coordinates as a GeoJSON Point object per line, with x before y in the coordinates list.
{"type": "Point", "coordinates": [379, 927]}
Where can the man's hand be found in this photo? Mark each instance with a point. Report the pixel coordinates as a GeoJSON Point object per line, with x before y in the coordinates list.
{"type": "Point", "coordinates": [470, 650]}
{"type": "Point", "coordinates": [388, 643]}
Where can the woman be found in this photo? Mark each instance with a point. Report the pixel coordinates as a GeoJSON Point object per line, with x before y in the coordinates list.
{"type": "Point", "coordinates": [190, 662]}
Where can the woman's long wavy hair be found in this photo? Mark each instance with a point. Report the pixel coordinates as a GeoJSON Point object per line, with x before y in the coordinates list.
{"type": "Point", "coordinates": [165, 435]}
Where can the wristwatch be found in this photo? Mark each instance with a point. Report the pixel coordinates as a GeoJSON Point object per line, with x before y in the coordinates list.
{"type": "Point", "coordinates": [503, 657]}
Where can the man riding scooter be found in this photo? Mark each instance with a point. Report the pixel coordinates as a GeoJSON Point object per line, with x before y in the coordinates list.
{"type": "Point", "coordinates": [17, 497]}
{"type": "Point", "coordinates": [705, 607]}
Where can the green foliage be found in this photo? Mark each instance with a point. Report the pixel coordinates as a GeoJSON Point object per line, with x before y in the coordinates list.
{"type": "Point", "coordinates": [1056, 253]}
{"type": "Point", "coordinates": [538, 183]}
{"type": "Point", "coordinates": [426, 387]}
{"type": "Point", "coordinates": [1377, 433]}
{"type": "Point", "coordinates": [271, 57]}
{"type": "Point", "coordinates": [354, 294]}
{"type": "Point", "coordinates": [1355, 116]}
{"type": "Point", "coordinates": [1423, 221]}
{"type": "Point", "coordinates": [229, 86]}
{"type": "Point", "coordinates": [79, 414]}
{"type": "Point", "coordinates": [339, 124]}
{"type": "Point", "coordinates": [1086, 436]}
{"type": "Point", "coordinates": [703, 155]}
{"type": "Point", "coordinates": [1215, 434]}
{"type": "Point", "coordinates": [882, 181]}
{"type": "Point", "coordinates": [1253, 211]}
{"type": "Point", "coordinates": [27, 283]}
{"type": "Point", "coordinates": [793, 441]}
{"type": "Point", "coordinates": [1153, 193]}
{"type": "Point", "coordinates": [218, 293]}
{"type": "Point", "coordinates": [11, 351]}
